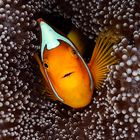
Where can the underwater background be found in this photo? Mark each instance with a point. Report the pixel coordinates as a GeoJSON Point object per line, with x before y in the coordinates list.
{"type": "Point", "coordinates": [25, 114]}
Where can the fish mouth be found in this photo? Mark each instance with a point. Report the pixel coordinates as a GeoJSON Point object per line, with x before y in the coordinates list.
{"type": "Point", "coordinates": [67, 74]}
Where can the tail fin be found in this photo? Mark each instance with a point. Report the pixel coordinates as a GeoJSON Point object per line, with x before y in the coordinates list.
{"type": "Point", "coordinates": [101, 57]}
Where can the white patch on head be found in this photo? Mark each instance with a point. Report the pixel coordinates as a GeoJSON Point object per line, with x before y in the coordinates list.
{"type": "Point", "coordinates": [50, 38]}
{"type": "Point", "coordinates": [52, 45]}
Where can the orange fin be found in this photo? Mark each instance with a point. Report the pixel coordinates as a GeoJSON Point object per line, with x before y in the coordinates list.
{"type": "Point", "coordinates": [46, 89]}
{"type": "Point", "coordinates": [101, 58]}
{"type": "Point", "coordinates": [78, 39]}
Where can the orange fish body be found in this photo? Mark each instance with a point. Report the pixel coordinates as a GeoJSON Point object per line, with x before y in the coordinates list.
{"type": "Point", "coordinates": [65, 71]}
{"type": "Point", "coordinates": [68, 75]}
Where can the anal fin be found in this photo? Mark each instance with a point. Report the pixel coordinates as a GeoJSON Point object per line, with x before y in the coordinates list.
{"type": "Point", "coordinates": [101, 58]}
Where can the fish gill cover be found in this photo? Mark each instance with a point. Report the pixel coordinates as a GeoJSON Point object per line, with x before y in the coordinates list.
{"type": "Point", "coordinates": [115, 110]}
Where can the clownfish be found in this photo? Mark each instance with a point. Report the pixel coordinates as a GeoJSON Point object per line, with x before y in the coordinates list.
{"type": "Point", "coordinates": [68, 78]}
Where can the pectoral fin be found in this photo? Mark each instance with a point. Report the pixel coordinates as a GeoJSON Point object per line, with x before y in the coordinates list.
{"type": "Point", "coordinates": [101, 58]}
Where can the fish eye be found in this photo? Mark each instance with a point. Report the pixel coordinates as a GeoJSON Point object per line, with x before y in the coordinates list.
{"type": "Point", "coordinates": [46, 65]}
{"type": "Point", "coordinates": [74, 52]}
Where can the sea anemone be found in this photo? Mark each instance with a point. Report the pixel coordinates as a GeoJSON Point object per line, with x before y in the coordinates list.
{"type": "Point", "coordinates": [114, 112]}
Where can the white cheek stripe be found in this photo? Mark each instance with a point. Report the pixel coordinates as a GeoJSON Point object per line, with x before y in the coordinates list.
{"type": "Point", "coordinates": [53, 87]}
{"type": "Point", "coordinates": [89, 73]}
